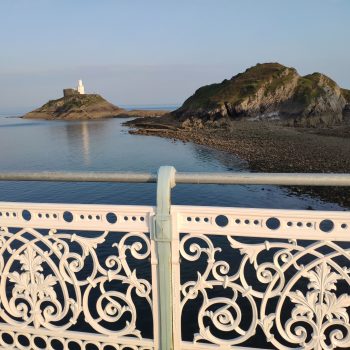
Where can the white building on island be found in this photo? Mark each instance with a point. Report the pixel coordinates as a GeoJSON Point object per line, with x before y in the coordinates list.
{"type": "Point", "coordinates": [79, 90]}
{"type": "Point", "coordinates": [80, 87]}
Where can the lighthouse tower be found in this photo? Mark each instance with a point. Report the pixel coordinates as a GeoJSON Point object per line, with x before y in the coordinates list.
{"type": "Point", "coordinates": [80, 87]}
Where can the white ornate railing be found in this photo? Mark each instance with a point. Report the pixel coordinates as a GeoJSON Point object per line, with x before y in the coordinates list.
{"type": "Point", "coordinates": [282, 273]}
{"type": "Point", "coordinates": [66, 267]}
{"type": "Point", "coordinates": [173, 277]}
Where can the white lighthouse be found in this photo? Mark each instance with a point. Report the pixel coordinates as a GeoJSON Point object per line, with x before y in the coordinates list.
{"type": "Point", "coordinates": [80, 87]}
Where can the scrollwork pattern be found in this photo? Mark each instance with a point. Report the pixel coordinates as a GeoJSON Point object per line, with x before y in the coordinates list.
{"type": "Point", "coordinates": [288, 290]}
{"type": "Point", "coordinates": [48, 280]}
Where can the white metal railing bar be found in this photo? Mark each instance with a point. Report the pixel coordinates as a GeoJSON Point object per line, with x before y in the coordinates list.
{"type": "Point", "coordinates": [241, 178]}
{"type": "Point", "coordinates": [76, 216]}
{"type": "Point", "coordinates": [296, 224]}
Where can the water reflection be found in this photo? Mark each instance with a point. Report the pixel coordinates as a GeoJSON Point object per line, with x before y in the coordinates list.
{"type": "Point", "coordinates": [79, 137]}
{"type": "Point", "coordinates": [86, 143]}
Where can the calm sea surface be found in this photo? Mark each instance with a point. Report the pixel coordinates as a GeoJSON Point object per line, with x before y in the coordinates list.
{"type": "Point", "coordinates": [105, 145]}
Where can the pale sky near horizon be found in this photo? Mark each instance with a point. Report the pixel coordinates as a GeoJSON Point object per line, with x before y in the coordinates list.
{"type": "Point", "coordinates": [154, 52]}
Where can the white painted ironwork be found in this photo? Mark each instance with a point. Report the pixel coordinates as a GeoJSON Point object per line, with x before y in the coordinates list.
{"type": "Point", "coordinates": [173, 277]}
{"type": "Point", "coordinates": [282, 273]}
{"type": "Point", "coordinates": [228, 178]}
{"type": "Point", "coordinates": [65, 267]}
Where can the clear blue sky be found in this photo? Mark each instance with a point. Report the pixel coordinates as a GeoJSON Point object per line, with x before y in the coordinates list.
{"type": "Point", "coordinates": [160, 51]}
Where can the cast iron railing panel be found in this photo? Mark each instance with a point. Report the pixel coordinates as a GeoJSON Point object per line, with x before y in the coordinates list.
{"type": "Point", "coordinates": [261, 278]}
{"type": "Point", "coordinates": [77, 275]}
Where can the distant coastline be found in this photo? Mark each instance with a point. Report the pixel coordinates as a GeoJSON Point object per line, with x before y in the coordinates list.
{"type": "Point", "coordinates": [155, 107]}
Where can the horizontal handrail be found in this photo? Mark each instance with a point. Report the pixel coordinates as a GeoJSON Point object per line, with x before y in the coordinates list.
{"type": "Point", "coordinates": [239, 178]}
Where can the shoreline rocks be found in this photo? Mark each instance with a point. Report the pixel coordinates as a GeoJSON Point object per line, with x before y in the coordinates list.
{"type": "Point", "coordinates": [268, 147]}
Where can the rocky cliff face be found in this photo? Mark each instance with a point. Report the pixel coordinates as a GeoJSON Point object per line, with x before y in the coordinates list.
{"type": "Point", "coordinates": [268, 91]}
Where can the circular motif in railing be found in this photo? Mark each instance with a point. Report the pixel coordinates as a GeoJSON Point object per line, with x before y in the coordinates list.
{"type": "Point", "coordinates": [326, 225]}
{"type": "Point", "coordinates": [40, 343]}
{"type": "Point", "coordinates": [221, 220]}
{"type": "Point", "coordinates": [273, 223]}
{"type": "Point", "coordinates": [7, 339]}
{"type": "Point", "coordinates": [112, 347]}
{"type": "Point", "coordinates": [67, 216]}
{"type": "Point", "coordinates": [92, 346]}
{"type": "Point", "coordinates": [23, 340]}
{"type": "Point", "coordinates": [74, 344]}
{"type": "Point", "coordinates": [26, 215]}
{"type": "Point", "coordinates": [111, 218]}
{"type": "Point", "coordinates": [56, 344]}
{"type": "Point", "coordinates": [344, 226]}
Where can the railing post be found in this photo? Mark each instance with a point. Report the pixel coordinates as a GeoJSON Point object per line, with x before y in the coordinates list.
{"type": "Point", "coordinates": [162, 236]}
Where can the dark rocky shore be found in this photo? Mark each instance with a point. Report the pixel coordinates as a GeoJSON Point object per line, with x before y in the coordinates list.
{"type": "Point", "coordinates": [269, 147]}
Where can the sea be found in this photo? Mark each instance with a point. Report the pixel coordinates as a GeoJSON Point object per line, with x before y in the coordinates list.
{"type": "Point", "coordinates": [106, 145]}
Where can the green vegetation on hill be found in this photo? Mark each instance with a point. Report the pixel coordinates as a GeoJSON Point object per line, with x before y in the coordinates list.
{"type": "Point", "coordinates": [269, 90]}
{"type": "Point", "coordinates": [307, 89]}
{"type": "Point", "coordinates": [240, 86]}
{"type": "Point", "coordinates": [74, 101]}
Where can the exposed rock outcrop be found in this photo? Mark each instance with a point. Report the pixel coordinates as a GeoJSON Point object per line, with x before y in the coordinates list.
{"type": "Point", "coordinates": [87, 106]}
{"type": "Point", "coordinates": [268, 91]}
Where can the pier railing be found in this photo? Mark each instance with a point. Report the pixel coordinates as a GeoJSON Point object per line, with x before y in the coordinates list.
{"type": "Point", "coordinates": [173, 277]}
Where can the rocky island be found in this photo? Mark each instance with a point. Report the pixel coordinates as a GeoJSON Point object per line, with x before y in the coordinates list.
{"type": "Point", "coordinates": [269, 91]}
{"type": "Point", "coordinates": [270, 116]}
{"type": "Point", "coordinates": [76, 105]}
